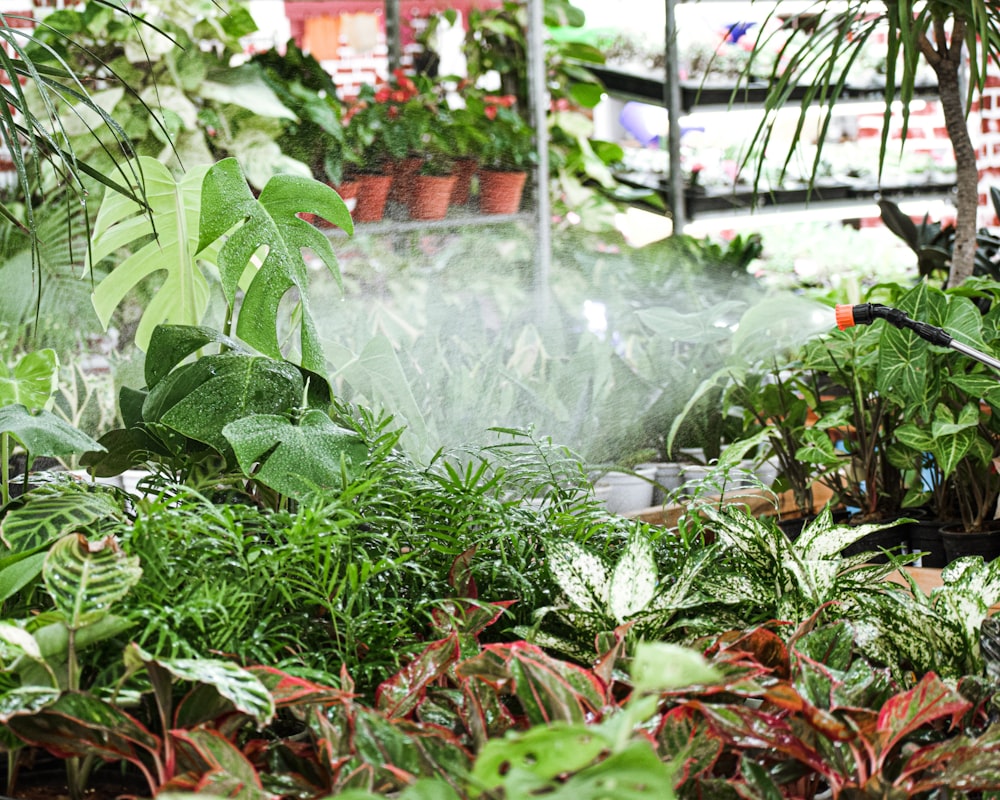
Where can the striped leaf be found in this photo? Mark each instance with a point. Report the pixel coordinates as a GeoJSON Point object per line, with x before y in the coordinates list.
{"type": "Point", "coordinates": [86, 578]}
{"type": "Point", "coordinates": [45, 516]}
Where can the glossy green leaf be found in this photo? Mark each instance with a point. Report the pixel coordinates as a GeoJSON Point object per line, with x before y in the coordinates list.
{"type": "Point", "coordinates": [16, 576]}
{"type": "Point", "coordinates": [32, 380]}
{"type": "Point", "coordinates": [85, 579]}
{"type": "Point", "coordinates": [307, 457]}
{"type": "Point", "coordinates": [223, 757]}
{"type": "Point", "coordinates": [42, 433]}
{"type": "Point", "coordinates": [661, 667]}
{"type": "Point", "coordinates": [230, 210]}
{"type": "Point", "coordinates": [399, 695]}
{"type": "Point", "coordinates": [199, 399]}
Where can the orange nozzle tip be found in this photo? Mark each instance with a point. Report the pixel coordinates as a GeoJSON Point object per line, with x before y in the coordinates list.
{"type": "Point", "coordinates": [845, 317]}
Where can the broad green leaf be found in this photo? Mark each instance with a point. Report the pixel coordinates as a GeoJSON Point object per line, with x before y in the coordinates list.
{"type": "Point", "coordinates": [635, 773]}
{"type": "Point", "coordinates": [297, 459]}
{"type": "Point", "coordinates": [661, 667]}
{"type": "Point", "coordinates": [544, 752]}
{"type": "Point", "coordinates": [171, 227]}
{"type": "Point", "coordinates": [42, 433]}
{"type": "Point", "coordinates": [26, 700]}
{"type": "Point", "coordinates": [230, 210]}
{"type": "Point", "coordinates": [86, 578]}
{"type": "Point", "coordinates": [633, 580]}
{"type": "Point", "coordinates": [199, 399]}
{"type": "Point", "coordinates": [20, 574]}
{"type": "Point", "coordinates": [32, 380]}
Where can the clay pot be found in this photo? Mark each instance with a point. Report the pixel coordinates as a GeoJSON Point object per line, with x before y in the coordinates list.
{"type": "Point", "coordinates": [465, 168]}
{"type": "Point", "coordinates": [373, 191]}
{"type": "Point", "coordinates": [403, 172]}
{"type": "Point", "coordinates": [500, 192]}
{"type": "Point", "coordinates": [430, 196]}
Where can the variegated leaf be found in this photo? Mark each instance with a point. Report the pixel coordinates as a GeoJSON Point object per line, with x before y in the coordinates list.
{"type": "Point", "coordinates": [46, 516]}
{"type": "Point", "coordinates": [86, 578]}
{"type": "Point", "coordinates": [580, 574]}
{"type": "Point", "coordinates": [237, 685]}
{"type": "Point", "coordinates": [633, 580]}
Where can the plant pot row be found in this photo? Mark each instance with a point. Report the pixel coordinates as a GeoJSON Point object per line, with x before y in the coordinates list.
{"type": "Point", "coordinates": [428, 197]}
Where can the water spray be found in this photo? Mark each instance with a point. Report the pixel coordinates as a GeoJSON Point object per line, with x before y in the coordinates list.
{"type": "Point", "coordinates": [867, 313]}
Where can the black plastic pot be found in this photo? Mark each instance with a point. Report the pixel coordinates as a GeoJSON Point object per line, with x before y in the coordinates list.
{"type": "Point", "coordinates": [959, 543]}
{"type": "Point", "coordinates": [893, 538]}
{"type": "Point", "coordinates": [925, 537]}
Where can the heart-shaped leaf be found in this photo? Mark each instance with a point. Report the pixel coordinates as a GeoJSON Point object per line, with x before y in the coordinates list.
{"type": "Point", "coordinates": [31, 381]}
{"type": "Point", "coordinates": [42, 433]}
{"type": "Point", "coordinates": [296, 460]}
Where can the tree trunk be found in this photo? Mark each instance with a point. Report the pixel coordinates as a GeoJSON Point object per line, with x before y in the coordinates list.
{"type": "Point", "coordinates": [947, 58]}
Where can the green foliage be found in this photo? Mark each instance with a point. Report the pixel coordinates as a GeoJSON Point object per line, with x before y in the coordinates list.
{"type": "Point", "coordinates": [208, 221]}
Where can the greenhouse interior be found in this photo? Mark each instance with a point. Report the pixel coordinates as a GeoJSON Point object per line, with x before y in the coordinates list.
{"type": "Point", "coordinates": [500, 399]}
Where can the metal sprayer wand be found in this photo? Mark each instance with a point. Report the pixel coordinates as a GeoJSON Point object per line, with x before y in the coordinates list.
{"type": "Point", "coordinates": [867, 313]}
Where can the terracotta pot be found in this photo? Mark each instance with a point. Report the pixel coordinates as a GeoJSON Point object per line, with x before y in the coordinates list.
{"type": "Point", "coordinates": [430, 196]}
{"type": "Point", "coordinates": [500, 192]}
{"type": "Point", "coordinates": [403, 172]}
{"type": "Point", "coordinates": [465, 168]}
{"type": "Point", "coordinates": [348, 191]}
{"type": "Point", "coordinates": [373, 191]}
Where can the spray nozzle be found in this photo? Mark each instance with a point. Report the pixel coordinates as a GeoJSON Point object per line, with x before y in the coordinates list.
{"type": "Point", "coordinates": [867, 313]}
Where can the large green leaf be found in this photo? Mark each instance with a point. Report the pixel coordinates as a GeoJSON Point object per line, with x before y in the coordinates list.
{"type": "Point", "coordinates": [171, 227]}
{"type": "Point", "coordinates": [297, 459]}
{"type": "Point", "coordinates": [42, 433]}
{"type": "Point", "coordinates": [86, 578]}
{"type": "Point", "coordinates": [199, 399]}
{"type": "Point", "coordinates": [249, 224]}
{"type": "Point", "coordinates": [31, 381]}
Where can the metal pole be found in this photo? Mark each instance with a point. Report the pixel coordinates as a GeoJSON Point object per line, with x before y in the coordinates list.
{"type": "Point", "coordinates": [538, 94]}
{"type": "Point", "coordinates": [672, 102]}
{"type": "Point", "coordinates": [392, 34]}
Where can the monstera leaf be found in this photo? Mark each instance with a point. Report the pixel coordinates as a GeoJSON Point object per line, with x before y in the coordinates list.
{"type": "Point", "coordinates": [168, 234]}
{"type": "Point", "coordinates": [295, 459]}
{"type": "Point", "coordinates": [248, 224]}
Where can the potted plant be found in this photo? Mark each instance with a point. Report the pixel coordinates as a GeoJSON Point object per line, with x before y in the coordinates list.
{"type": "Point", "coordinates": [373, 143]}
{"type": "Point", "coordinates": [506, 156]}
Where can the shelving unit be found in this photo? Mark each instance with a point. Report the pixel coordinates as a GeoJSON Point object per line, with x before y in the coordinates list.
{"type": "Point", "coordinates": [685, 97]}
